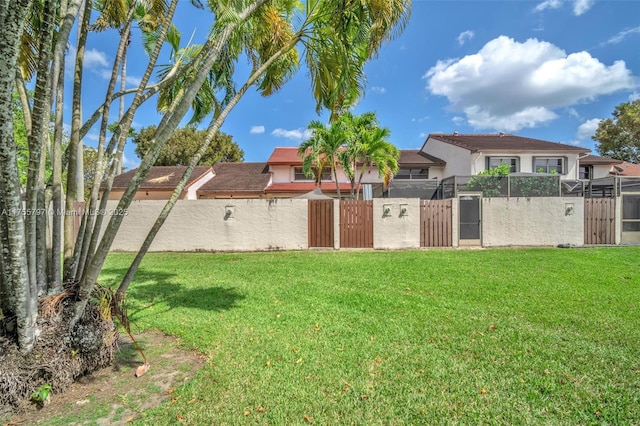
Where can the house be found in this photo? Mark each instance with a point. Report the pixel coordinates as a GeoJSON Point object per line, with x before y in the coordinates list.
{"type": "Point", "coordinates": [237, 180]}
{"type": "Point", "coordinates": [594, 167]}
{"type": "Point", "coordinates": [161, 181]}
{"type": "Point", "coordinates": [289, 180]}
{"type": "Point", "coordinates": [467, 155]}
{"type": "Point", "coordinates": [625, 168]}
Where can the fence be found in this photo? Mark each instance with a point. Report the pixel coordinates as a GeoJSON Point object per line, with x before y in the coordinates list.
{"type": "Point", "coordinates": [436, 223]}
{"type": "Point", "coordinates": [599, 220]}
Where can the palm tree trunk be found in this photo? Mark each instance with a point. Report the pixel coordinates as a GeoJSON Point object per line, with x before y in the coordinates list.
{"type": "Point", "coordinates": [214, 126]}
{"type": "Point", "coordinates": [168, 124]}
{"type": "Point", "coordinates": [75, 183]}
{"type": "Point", "coordinates": [39, 133]}
{"type": "Point", "coordinates": [87, 248]}
{"type": "Point", "coordinates": [15, 268]}
{"type": "Point", "coordinates": [55, 280]}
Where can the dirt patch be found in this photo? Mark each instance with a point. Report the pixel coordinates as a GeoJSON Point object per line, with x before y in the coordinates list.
{"type": "Point", "coordinates": [114, 395]}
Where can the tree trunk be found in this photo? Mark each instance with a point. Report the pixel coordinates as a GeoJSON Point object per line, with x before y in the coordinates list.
{"type": "Point", "coordinates": [55, 280]}
{"type": "Point", "coordinates": [168, 124]}
{"type": "Point", "coordinates": [75, 150]}
{"type": "Point", "coordinates": [214, 126]}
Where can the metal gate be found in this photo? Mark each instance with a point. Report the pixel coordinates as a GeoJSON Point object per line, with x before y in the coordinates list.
{"type": "Point", "coordinates": [435, 223]}
{"type": "Point", "coordinates": [356, 224]}
{"type": "Point", "coordinates": [630, 218]}
{"type": "Point", "coordinates": [599, 220]}
{"type": "Point", "coordinates": [470, 219]}
{"type": "Point", "coordinates": [320, 223]}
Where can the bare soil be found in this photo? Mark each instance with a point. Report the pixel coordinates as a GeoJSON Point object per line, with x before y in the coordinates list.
{"type": "Point", "coordinates": [114, 395]}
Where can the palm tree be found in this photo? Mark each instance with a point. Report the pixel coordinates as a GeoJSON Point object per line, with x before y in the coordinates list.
{"type": "Point", "coordinates": [375, 149]}
{"type": "Point", "coordinates": [322, 150]}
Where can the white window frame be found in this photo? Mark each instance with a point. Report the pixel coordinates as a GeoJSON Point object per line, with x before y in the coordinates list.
{"type": "Point", "coordinates": [546, 168]}
{"type": "Point", "coordinates": [514, 168]}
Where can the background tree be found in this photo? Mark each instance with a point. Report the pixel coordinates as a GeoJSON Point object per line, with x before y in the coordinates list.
{"type": "Point", "coordinates": [183, 145]}
{"type": "Point", "coordinates": [619, 137]}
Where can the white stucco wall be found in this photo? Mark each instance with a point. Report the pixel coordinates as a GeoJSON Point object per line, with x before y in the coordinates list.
{"type": "Point", "coordinates": [526, 162]}
{"type": "Point", "coordinates": [396, 230]}
{"type": "Point", "coordinates": [601, 171]}
{"type": "Point", "coordinates": [279, 224]}
{"type": "Point", "coordinates": [542, 221]}
{"type": "Point", "coordinates": [459, 160]}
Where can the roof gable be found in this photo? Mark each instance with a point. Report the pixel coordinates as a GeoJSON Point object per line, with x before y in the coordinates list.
{"type": "Point", "coordinates": [416, 158]}
{"type": "Point", "coordinates": [502, 142]}
{"type": "Point", "coordinates": [238, 177]}
{"type": "Point", "coordinates": [161, 177]}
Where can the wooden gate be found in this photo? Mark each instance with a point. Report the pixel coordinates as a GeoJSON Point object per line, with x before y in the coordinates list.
{"type": "Point", "coordinates": [599, 220]}
{"type": "Point", "coordinates": [320, 223]}
{"type": "Point", "coordinates": [356, 223]}
{"type": "Point", "coordinates": [435, 223]}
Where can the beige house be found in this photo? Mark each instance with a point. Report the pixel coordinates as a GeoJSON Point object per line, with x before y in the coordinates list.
{"type": "Point", "coordinates": [468, 155]}
{"type": "Point", "coordinates": [161, 181]}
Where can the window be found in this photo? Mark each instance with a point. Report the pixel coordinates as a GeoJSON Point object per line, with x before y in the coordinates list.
{"type": "Point", "coordinates": [549, 165]}
{"type": "Point", "coordinates": [513, 162]}
{"type": "Point", "coordinates": [586, 172]}
{"type": "Point", "coordinates": [412, 174]}
{"type": "Point", "coordinates": [298, 174]}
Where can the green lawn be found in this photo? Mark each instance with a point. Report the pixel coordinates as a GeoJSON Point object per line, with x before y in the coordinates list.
{"type": "Point", "coordinates": [501, 336]}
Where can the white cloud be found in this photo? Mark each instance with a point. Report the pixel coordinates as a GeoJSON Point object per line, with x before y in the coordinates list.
{"type": "Point", "coordinates": [581, 6]}
{"type": "Point", "coordinates": [621, 36]}
{"type": "Point", "coordinates": [634, 96]}
{"type": "Point", "coordinates": [95, 59]}
{"type": "Point", "coordinates": [548, 4]}
{"type": "Point", "coordinates": [130, 163]}
{"type": "Point", "coordinates": [465, 36]}
{"type": "Point", "coordinates": [572, 112]}
{"type": "Point", "coordinates": [509, 85]}
{"type": "Point", "coordinates": [296, 134]}
{"type": "Point", "coordinates": [256, 130]}
{"type": "Point", "coordinates": [588, 128]}
{"type": "Point", "coordinates": [378, 90]}
{"type": "Point", "coordinates": [133, 80]}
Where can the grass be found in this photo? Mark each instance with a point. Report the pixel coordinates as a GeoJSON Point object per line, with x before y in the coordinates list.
{"type": "Point", "coordinates": [503, 336]}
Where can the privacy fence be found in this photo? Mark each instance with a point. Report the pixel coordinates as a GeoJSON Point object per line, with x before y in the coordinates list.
{"type": "Point", "coordinates": [382, 223]}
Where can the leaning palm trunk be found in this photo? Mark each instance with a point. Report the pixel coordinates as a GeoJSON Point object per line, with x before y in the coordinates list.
{"type": "Point", "coordinates": [214, 127]}
{"type": "Point", "coordinates": [125, 123]}
{"type": "Point", "coordinates": [55, 281]}
{"type": "Point", "coordinates": [168, 124]}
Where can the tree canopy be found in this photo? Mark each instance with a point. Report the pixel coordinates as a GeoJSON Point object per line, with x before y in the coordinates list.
{"type": "Point", "coordinates": [619, 137]}
{"type": "Point", "coordinates": [183, 144]}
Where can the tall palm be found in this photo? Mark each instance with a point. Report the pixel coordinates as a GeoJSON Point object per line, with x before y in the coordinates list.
{"type": "Point", "coordinates": [322, 150]}
{"type": "Point", "coordinates": [354, 127]}
{"type": "Point", "coordinates": [376, 149]}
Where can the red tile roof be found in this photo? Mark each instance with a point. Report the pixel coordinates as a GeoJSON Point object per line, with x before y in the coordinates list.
{"type": "Point", "coordinates": [285, 155]}
{"type": "Point", "coordinates": [502, 142]}
{"type": "Point", "coordinates": [303, 187]}
{"type": "Point", "coordinates": [626, 169]}
{"type": "Point", "coordinates": [160, 177]}
{"type": "Point", "coordinates": [238, 177]}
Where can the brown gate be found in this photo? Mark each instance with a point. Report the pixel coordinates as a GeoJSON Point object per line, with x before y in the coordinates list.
{"type": "Point", "coordinates": [320, 223]}
{"type": "Point", "coordinates": [599, 220]}
{"type": "Point", "coordinates": [356, 223]}
{"type": "Point", "coordinates": [435, 223]}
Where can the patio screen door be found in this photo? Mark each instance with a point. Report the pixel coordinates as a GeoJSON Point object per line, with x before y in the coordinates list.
{"type": "Point", "coordinates": [470, 219]}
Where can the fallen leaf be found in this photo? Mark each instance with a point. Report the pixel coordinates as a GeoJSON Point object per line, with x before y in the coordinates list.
{"type": "Point", "coordinates": [299, 360]}
{"type": "Point", "coordinates": [130, 419]}
{"type": "Point", "coordinates": [378, 360]}
{"type": "Point", "coordinates": [547, 371]}
{"type": "Point", "coordinates": [260, 409]}
{"type": "Point", "coordinates": [363, 396]}
{"type": "Point", "coordinates": [483, 390]}
{"type": "Point", "coordinates": [246, 413]}
{"type": "Point", "coordinates": [307, 419]}
{"type": "Point", "coordinates": [180, 418]}
{"type": "Point", "coordinates": [176, 398]}
{"type": "Point", "coordinates": [142, 369]}
{"type": "Point", "coordinates": [492, 327]}
{"type": "Point", "coordinates": [407, 289]}
{"type": "Point", "coordinates": [372, 338]}
{"type": "Point", "coordinates": [192, 401]}
{"type": "Point", "coordinates": [317, 326]}
{"type": "Point", "coordinates": [268, 363]}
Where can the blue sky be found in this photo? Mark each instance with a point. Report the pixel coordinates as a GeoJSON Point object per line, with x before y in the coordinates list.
{"type": "Point", "coordinates": [544, 69]}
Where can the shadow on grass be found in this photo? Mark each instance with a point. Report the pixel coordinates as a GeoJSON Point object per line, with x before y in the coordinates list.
{"type": "Point", "coordinates": [151, 287]}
